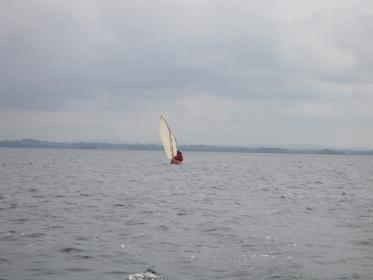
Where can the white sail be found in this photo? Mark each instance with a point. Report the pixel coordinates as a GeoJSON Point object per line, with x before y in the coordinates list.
{"type": "Point", "coordinates": [168, 139]}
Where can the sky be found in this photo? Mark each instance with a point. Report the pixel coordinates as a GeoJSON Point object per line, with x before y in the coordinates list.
{"type": "Point", "coordinates": [232, 72]}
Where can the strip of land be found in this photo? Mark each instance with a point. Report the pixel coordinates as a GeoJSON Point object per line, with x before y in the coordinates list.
{"type": "Point", "coordinates": [33, 143]}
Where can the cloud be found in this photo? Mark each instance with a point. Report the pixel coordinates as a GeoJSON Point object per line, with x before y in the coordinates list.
{"type": "Point", "coordinates": [274, 68]}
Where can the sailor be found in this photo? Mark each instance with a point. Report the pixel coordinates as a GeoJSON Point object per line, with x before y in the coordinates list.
{"type": "Point", "coordinates": [179, 156]}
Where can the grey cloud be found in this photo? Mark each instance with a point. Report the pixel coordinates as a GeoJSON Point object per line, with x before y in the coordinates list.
{"type": "Point", "coordinates": [141, 57]}
{"type": "Point", "coordinates": [52, 55]}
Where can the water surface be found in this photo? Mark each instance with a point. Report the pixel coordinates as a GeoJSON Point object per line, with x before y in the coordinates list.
{"type": "Point", "coordinates": [100, 214]}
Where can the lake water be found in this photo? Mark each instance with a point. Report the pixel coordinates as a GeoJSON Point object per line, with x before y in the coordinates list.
{"type": "Point", "coordinates": [101, 214]}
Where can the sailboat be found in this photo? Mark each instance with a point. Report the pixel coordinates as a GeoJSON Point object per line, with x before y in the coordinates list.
{"type": "Point", "coordinates": [168, 140]}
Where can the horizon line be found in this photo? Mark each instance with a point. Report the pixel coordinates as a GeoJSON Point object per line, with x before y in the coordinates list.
{"type": "Point", "coordinates": [293, 147]}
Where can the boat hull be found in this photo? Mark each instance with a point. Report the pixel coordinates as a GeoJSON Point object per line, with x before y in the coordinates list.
{"type": "Point", "coordinates": [175, 161]}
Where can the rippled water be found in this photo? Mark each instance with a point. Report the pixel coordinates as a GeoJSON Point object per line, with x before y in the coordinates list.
{"type": "Point", "coordinates": [88, 214]}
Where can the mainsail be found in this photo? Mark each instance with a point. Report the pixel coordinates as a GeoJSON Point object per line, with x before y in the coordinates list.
{"type": "Point", "coordinates": [168, 139]}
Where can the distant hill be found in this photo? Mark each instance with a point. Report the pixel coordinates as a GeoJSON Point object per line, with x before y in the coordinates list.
{"type": "Point", "coordinates": [32, 143]}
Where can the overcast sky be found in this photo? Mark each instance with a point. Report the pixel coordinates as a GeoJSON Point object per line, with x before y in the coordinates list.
{"type": "Point", "coordinates": [265, 72]}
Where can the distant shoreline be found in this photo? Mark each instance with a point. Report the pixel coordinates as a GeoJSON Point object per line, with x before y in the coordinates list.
{"type": "Point", "coordinates": [33, 143]}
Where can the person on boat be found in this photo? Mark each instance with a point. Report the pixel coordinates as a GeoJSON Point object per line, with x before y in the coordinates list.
{"type": "Point", "coordinates": [178, 157]}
